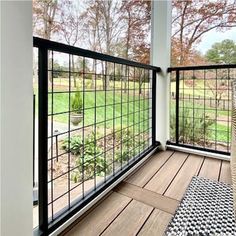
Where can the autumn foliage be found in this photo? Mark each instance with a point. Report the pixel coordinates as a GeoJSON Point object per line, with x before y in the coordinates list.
{"type": "Point", "coordinates": [122, 28]}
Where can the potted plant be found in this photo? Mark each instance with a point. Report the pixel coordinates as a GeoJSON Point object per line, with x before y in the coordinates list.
{"type": "Point", "coordinates": [76, 107]}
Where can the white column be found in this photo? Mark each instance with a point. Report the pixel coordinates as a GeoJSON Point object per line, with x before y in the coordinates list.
{"type": "Point", "coordinates": [16, 118]}
{"type": "Point", "coordinates": [160, 56]}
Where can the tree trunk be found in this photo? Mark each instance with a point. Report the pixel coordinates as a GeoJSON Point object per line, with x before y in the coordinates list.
{"type": "Point", "coordinates": [73, 70]}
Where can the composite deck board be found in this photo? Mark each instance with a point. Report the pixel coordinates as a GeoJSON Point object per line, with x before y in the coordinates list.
{"type": "Point", "coordinates": [143, 175]}
{"type": "Point", "coordinates": [225, 174]}
{"type": "Point", "coordinates": [148, 197]}
{"type": "Point", "coordinates": [97, 220]}
{"type": "Point", "coordinates": [181, 181]}
{"type": "Point", "coordinates": [156, 224]}
{"type": "Point", "coordinates": [165, 175]}
{"type": "Point", "coordinates": [144, 203]}
{"type": "Point", "coordinates": [130, 220]}
{"type": "Point", "coordinates": [210, 169]}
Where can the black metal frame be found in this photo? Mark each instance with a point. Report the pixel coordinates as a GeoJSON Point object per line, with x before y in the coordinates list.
{"type": "Point", "coordinates": [43, 138]}
{"type": "Point", "coordinates": [194, 69]}
{"type": "Point", "coordinates": [64, 48]}
{"type": "Point", "coordinates": [34, 182]}
{"type": "Point", "coordinates": [202, 67]}
{"type": "Point", "coordinates": [46, 225]}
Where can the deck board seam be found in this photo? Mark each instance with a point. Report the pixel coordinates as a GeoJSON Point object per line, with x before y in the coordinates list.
{"type": "Point", "coordinates": [176, 175]}
{"type": "Point", "coordinates": [145, 222]}
{"type": "Point", "coordinates": [77, 221]}
{"type": "Point", "coordinates": [158, 170]}
{"type": "Point", "coordinates": [204, 158]}
{"type": "Point", "coordinates": [221, 163]}
{"type": "Point", "coordinates": [116, 216]}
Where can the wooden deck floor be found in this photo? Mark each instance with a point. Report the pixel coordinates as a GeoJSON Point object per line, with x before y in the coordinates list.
{"type": "Point", "coordinates": [144, 203]}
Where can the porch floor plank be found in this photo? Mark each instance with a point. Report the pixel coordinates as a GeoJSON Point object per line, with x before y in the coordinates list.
{"type": "Point", "coordinates": [130, 220]}
{"type": "Point", "coordinates": [144, 203]}
{"type": "Point", "coordinates": [162, 179]}
{"type": "Point", "coordinates": [225, 174]}
{"type": "Point", "coordinates": [153, 199]}
{"type": "Point", "coordinates": [181, 181]}
{"type": "Point", "coordinates": [156, 224]}
{"type": "Point", "coordinates": [210, 169]}
{"type": "Point", "coordinates": [96, 221]}
{"type": "Point", "coordinates": [143, 175]}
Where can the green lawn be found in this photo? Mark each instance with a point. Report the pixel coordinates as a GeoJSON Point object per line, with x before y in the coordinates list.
{"type": "Point", "coordinates": [222, 134]}
{"type": "Point", "coordinates": [200, 88]}
{"type": "Point", "coordinates": [127, 114]}
{"type": "Point", "coordinates": [112, 112]}
{"type": "Point", "coordinates": [99, 83]}
{"type": "Point", "coordinates": [217, 130]}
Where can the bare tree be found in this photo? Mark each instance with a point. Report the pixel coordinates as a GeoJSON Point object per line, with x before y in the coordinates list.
{"type": "Point", "coordinates": [103, 30]}
{"type": "Point", "coordinates": [192, 19]}
{"type": "Point", "coordinates": [70, 28]}
{"type": "Point", "coordinates": [44, 18]}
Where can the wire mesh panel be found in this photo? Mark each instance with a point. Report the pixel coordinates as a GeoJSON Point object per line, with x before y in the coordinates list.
{"type": "Point", "coordinates": [98, 113]}
{"type": "Point", "coordinates": [201, 107]}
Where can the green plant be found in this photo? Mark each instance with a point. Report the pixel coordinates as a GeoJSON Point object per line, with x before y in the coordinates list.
{"type": "Point", "coordinates": [89, 157]}
{"type": "Point", "coordinates": [128, 140]}
{"type": "Point", "coordinates": [190, 130]}
{"type": "Point", "coordinates": [77, 103]}
{"type": "Point", "coordinates": [74, 145]}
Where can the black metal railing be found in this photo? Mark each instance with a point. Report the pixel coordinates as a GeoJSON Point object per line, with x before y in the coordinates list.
{"type": "Point", "coordinates": [200, 116]}
{"type": "Point", "coordinates": [96, 116]}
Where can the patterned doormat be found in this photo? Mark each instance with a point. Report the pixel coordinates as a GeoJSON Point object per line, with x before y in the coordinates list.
{"type": "Point", "coordinates": [206, 209]}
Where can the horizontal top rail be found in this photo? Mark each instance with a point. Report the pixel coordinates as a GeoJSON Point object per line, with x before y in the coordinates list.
{"type": "Point", "coordinates": [202, 67]}
{"type": "Point", "coordinates": [63, 48]}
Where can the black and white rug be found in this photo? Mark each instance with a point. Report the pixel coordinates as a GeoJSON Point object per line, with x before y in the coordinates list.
{"type": "Point", "coordinates": [206, 209]}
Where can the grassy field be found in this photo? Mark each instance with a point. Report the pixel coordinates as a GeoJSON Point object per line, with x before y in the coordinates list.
{"type": "Point", "coordinates": [95, 110]}
{"type": "Point", "coordinates": [219, 115]}
{"type": "Point", "coordinates": [99, 83]}
{"type": "Point", "coordinates": [108, 106]}
{"type": "Point", "coordinates": [198, 88]}
{"type": "Point", "coordinates": [195, 116]}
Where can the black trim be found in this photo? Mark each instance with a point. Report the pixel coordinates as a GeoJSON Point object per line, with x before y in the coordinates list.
{"type": "Point", "coordinates": [153, 107]}
{"type": "Point", "coordinates": [177, 108]}
{"type": "Point", "coordinates": [202, 67]}
{"type": "Point", "coordinates": [43, 139]}
{"type": "Point", "coordinates": [60, 47]}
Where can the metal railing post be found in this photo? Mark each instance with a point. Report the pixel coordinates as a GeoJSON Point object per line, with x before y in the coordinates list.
{"type": "Point", "coordinates": [34, 141]}
{"type": "Point", "coordinates": [43, 138]}
{"type": "Point", "coordinates": [154, 76]}
{"type": "Point", "coordinates": [177, 108]}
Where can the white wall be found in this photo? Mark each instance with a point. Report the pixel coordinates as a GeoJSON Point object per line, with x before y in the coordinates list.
{"type": "Point", "coordinates": [16, 118]}
{"type": "Point", "coordinates": [160, 56]}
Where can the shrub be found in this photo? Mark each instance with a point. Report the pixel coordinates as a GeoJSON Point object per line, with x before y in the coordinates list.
{"type": "Point", "coordinates": [88, 157]}
{"type": "Point", "coordinates": [190, 130]}
{"type": "Point", "coordinates": [77, 102]}
{"type": "Point", "coordinates": [73, 145]}
{"type": "Point", "coordinates": [125, 137]}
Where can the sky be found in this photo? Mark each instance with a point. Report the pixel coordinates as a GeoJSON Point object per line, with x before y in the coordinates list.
{"type": "Point", "coordinates": [215, 36]}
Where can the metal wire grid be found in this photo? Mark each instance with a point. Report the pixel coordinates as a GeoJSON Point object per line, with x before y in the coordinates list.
{"type": "Point", "coordinates": [117, 108]}
{"type": "Point", "coordinates": [201, 107]}
{"type": "Point", "coordinates": [140, 117]}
